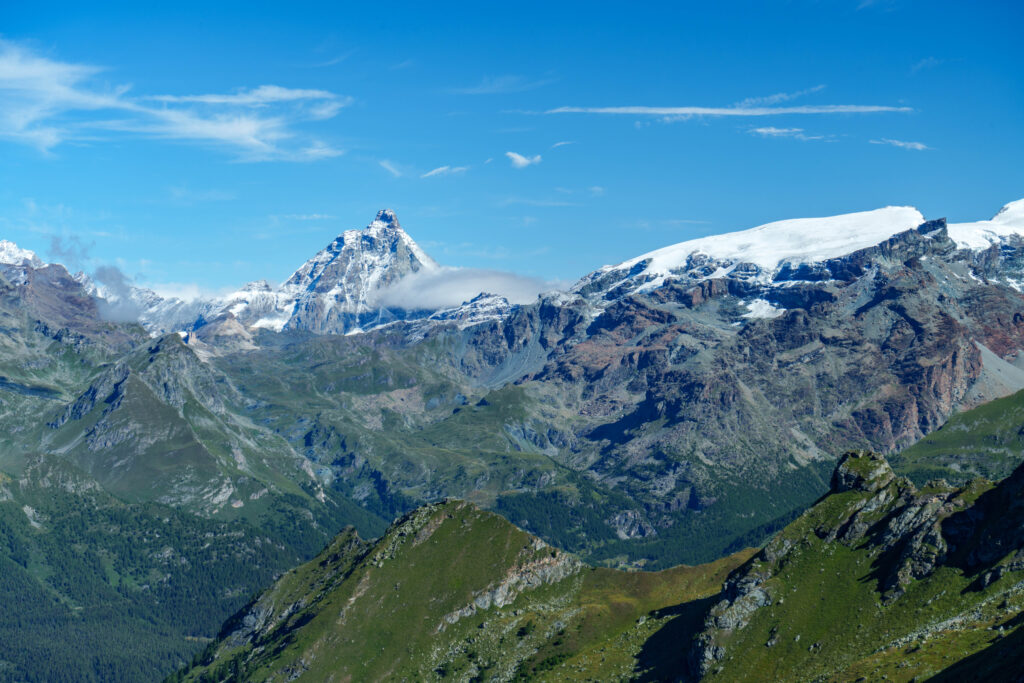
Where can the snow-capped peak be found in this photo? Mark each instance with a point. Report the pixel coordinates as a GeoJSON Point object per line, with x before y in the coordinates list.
{"type": "Point", "coordinates": [13, 255]}
{"type": "Point", "coordinates": [983, 234]}
{"type": "Point", "coordinates": [798, 240]}
{"type": "Point", "coordinates": [755, 254]}
{"type": "Point", "coordinates": [334, 291]}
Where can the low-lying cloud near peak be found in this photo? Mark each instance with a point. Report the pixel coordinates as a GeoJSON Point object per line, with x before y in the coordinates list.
{"type": "Point", "coordinates": [449, 286]}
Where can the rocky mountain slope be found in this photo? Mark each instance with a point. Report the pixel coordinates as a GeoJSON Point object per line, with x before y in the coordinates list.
{"type": "Point", "coordinates": [704, 414]}
{"type": "Point", "coordinates": [877, 580]}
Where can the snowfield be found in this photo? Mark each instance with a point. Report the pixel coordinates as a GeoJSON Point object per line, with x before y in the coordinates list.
{"type": "Point", "coordinates": [799, 240]}
{"type": "Point", "coordinates": [983, 234]}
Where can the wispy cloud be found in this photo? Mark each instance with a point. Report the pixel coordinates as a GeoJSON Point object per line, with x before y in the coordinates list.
{"type": "Point", "coordinates": [902, 144]}
{"type": "Point", "coordinates": [520, 161]}
{"type": "Point", "coordinates": [44, 102]}
{"type": "Point", "coordinates": [778, 97]}
{"type": "Point", "coordinates": [445, 170]}
{"type": "Point", "coordinates": [563, 143]}
{"type": "Point", "coordinates": [732, 111]}
{"type": "Point", "coordinates": [596, 190]}
{"type": "Point", "coordinates": [494, 85]}
{"type": "Point", "coordinates": [795, 133]}
{"type": "Point", "coordinates": [334, 60]}
{"type": "Point", "coordinates": [317, 150]}
{"type": "Point", "coordinates": [926, 63]}
{"type": "Point", "coordinates": [261, 96]}
{"type": "Point", "coordinates": [390, 168]}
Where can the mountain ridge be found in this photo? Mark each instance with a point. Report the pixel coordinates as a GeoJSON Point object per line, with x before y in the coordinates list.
{"type": "Point", "coordinates": [324, 295]}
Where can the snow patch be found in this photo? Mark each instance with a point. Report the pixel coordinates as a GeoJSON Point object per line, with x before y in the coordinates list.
{"type": "Point", "coordinates": [762, 308]}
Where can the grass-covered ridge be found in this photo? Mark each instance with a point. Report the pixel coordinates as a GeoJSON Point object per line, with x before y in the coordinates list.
{"type": "Point", "coordinates": [455, 591]}
{"type": "Point", "coordinates": [878, 579]}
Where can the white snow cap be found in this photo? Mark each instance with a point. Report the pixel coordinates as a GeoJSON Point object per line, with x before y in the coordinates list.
{"type": "Point", "coordinates": [799, 240]}
{"type": "Point", "coordinates": [12, 254]}
{"type": "Point", "coordinates": [983, 234]}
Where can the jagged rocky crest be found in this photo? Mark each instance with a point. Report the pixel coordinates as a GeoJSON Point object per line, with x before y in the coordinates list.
{"type": "Point", "coordinates": [902, 539]}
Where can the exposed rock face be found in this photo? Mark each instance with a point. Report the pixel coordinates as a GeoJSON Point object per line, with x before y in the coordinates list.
{"type": "Point", "coordinates": [334, 291]}
{"type": "Point", "coordinates": [693, 385]}
{"type": "Point", "coordinates": [861, 471]}
{"type": "Point", "coordinates": [908, 534]}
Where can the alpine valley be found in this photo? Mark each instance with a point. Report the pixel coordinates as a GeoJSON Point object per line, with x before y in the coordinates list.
{"type": "Point", "coordinates": [642, 476]}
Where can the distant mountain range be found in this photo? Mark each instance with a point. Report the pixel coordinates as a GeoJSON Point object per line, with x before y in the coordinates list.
{"type": "Point", "coordinates": [341, 289]}
{"type": "Point", "coordinates": [670, 409]}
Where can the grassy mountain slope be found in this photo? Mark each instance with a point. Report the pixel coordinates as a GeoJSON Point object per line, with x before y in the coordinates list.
{"type": "Point", "coordinates": [454, 591]}
{"type": "Point", "coordinates": [987, 441]}
{"type": "Point", "coordinates": [878, 579]}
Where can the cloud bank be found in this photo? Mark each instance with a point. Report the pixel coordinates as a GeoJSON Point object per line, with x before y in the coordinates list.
{"type": "Point", "coordinates": [449, 286]}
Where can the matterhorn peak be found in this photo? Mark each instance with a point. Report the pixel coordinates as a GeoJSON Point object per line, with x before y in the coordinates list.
{"type": "Point", "coordinates": [387, 218]}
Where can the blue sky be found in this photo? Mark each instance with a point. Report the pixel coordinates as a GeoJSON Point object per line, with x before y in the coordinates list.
{"type": "Point", "coordinates": [205, 147]}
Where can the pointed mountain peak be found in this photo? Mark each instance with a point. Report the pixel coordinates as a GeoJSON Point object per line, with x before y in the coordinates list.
{"type": "Point", "coordinates": [386, 218]}
{"type": "Point", "coordinates": [12, 254]}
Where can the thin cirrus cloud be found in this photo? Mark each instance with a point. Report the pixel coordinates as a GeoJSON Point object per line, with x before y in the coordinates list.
{"type": "Point", "coordinates": [497, 85]}
{"type": "Point", "coordinates": [795, 133]}
{"type": "Point", "coordinates": [732, 111]}
{"type": "Point", "coordinates": [902, 144]}
{"type": "Point", "coordinates": [778, 97]}
{"type": "Point", "coordinates": [445, 170]}
{"type": "Point", "coordinates": [390, 168]}
{"type": "Point", "coordinates": [926, 63]}
{"type": "Point", "coordinates": [520, 161]}
{"type": "Point", "coordinates": [45, 102]}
